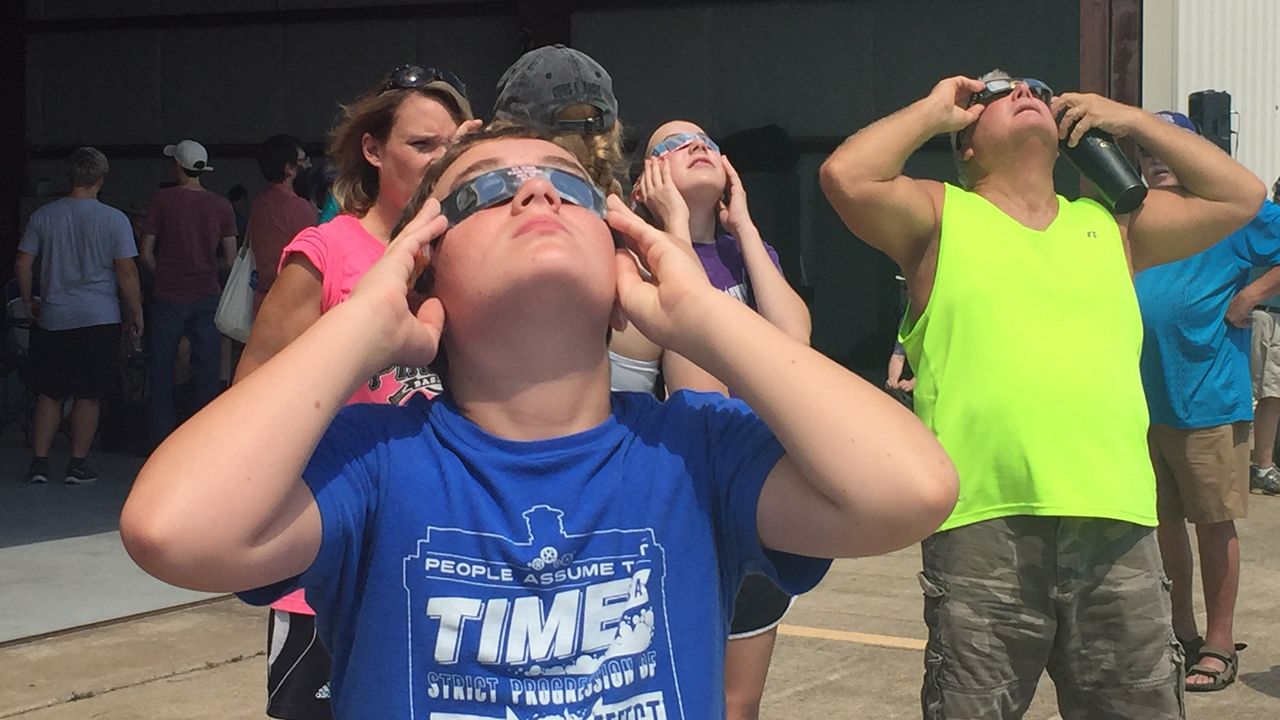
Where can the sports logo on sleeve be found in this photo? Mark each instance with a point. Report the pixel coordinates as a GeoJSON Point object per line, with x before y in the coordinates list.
{"type": "Point", "coordinates": [396, 384]}
{"type": "Point", "coordinates": [551, 625]}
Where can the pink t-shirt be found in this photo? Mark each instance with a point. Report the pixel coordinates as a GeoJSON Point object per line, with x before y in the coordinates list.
{"type": "Point", "coordinates": [342, 250]}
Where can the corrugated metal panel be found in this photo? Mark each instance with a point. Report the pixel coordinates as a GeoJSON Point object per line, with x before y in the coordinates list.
{"type": "Point", "coordinates": [1232, 45]}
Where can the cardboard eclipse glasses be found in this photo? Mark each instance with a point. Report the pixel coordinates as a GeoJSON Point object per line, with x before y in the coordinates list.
{"type": "Point", "coordinates": [1003, 86]}
{"type": "Point", "coordinates": [500, 186]}
{"type": "Point", "coordinates": [675, 142]}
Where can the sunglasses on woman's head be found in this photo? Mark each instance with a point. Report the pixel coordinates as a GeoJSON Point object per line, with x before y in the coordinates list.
{"type": "Point", "coordinates": [412, 77]}
{"type": "Point", "coordinates": [500, 186]}
{"type": "Point", "coordinates": [998, 88]}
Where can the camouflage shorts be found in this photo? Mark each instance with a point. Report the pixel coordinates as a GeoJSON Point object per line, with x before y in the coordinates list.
{"type": "Point", "coordinates": [1084, 598]}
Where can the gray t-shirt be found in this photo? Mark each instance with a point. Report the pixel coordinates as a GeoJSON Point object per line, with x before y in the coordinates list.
{"type": "Point", "coordinates": [78, 241]}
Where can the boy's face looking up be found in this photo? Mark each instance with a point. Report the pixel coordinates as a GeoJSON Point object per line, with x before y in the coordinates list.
{"type": "Point", "coordinates": [534, 242]}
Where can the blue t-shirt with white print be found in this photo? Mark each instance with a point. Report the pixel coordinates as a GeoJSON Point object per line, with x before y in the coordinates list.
{"type": "Point", "coordinates": [462, 575]}
{"type": "Point", "coordinates": [1195, 365]}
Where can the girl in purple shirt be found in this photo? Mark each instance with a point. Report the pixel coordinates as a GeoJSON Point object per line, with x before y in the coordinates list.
{"type": "Point", "coordinates": [696, 195]}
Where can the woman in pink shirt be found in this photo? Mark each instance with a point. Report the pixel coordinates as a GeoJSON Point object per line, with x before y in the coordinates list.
{"type": "Point", "coordinates": [381, 149]}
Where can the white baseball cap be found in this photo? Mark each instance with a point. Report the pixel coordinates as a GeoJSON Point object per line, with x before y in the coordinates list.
{"type": "Point", "coordinates": [190, 154]}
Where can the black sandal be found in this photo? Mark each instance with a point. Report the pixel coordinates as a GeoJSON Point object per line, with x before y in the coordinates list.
{"type": "Point", "coordinates": [1218, 679]}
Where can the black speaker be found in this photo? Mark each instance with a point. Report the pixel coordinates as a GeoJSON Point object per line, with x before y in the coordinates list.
{"type": "Point", "coordinates": [1210, 110]}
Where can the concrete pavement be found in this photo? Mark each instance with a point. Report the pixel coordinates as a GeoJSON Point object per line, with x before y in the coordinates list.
{"type": "Point", "coordinates": [61, 561]}
{"type": "Point", "coordinates": [850, 649]}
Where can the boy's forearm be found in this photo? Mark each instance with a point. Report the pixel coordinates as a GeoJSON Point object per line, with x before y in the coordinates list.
{"type": "Point", "coordinates": [834, 425]}
{"type": "Point", "coordinates": [681, 374]}
{"type": "Point", "coordinates": [225, 474]}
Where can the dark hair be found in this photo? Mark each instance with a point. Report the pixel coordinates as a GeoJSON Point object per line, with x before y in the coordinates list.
{"type": "Point", "coordinates": [189, 173]}
{"type": "Point", "coordinates": [312, 184]}
{"type": "Point", "coordinates": [1275, 191]}
{"type": "Point", "coordinates": [356, 184]}
{"type": "Point", "coordinates": [237, 192]}
{"type": "Point", "coordinates": [304, 183]}
{"type": "Point", "coordinates": [275, 156]}
{"type": "Point", "coordinates": [325, 175]}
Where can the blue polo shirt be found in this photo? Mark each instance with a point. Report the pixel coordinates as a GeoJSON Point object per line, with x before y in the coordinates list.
{"type": "Point", "coordinates": [1195, 365]}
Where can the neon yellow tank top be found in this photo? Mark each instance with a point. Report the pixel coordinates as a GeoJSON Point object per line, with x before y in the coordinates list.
{"type": "Point", "coordinates": [1027, 364]}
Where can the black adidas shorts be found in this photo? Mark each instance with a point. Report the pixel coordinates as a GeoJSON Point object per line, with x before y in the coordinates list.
{"type": "Point", "coordinates": [297, 669]}
{"type": "Point", "coordinates": [758, 608]}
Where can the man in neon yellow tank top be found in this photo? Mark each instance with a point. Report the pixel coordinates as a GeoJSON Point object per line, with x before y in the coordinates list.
{"type": "Point", "coordinates": [1024, 331]}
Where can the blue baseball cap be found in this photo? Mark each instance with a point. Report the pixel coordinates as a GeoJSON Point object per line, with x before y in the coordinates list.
{"type": "Point", "coordinates": [1174, 117]}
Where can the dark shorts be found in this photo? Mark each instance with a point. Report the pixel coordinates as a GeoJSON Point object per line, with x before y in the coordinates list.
{"type": "Point", "coordinates": [297, 669]}
{"type": "Point", "coordinates": [82, 363]}
{"type": "Point", "coordinates": [758, 608]}
{"type": "Point", "coordinates": [1085, 598]}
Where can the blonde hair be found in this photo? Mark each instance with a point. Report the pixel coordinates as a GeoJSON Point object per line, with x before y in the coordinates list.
{"type": "Point", "coordinates": [86, 166]}
{"type": "Point", "coordinates": [356, 186]}
{"type": "Point", "coordinates": [600, 154]}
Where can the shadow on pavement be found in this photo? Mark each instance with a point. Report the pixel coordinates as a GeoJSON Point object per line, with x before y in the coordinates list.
{"type": "Point", "coordinates": [39, 513]}
{"type": "Point", "coordinates": [1267, 683]}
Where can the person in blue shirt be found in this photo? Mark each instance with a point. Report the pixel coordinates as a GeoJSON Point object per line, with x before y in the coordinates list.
{"type": "Point", "coordinates": [529, 545]}
{"type": "Point", "coordinates": [1258, 307]}
{"type": "Point", "coordinates": [1195, 369]}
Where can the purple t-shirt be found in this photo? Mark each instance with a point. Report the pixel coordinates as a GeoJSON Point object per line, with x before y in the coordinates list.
{"type": "Point", "coordinates": [722, 260]}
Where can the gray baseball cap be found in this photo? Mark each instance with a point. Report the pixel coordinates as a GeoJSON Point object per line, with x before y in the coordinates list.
{"type": "Point", "coordinates": [549, 79]}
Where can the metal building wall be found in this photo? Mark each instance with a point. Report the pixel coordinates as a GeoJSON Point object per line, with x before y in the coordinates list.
{"type": "Point", "coordinates": [820, 69]}
{"type": "Point", "coordinates": [1230, 45]}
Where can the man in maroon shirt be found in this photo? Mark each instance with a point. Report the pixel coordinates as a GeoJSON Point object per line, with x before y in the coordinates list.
{"type": "Point", "coordinates": [277, 213]}
{"type": "Point", "coordinates": [186, 226]}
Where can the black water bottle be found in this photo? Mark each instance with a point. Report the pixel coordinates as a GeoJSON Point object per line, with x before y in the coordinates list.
{"type": "Point", "coordinates": [1100, 160]}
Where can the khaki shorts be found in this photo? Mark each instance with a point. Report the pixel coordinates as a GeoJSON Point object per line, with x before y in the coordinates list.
{"type": "Point", "coordinates": [1202, 474]}
{"type": "Point", "coordinates": [1264, 360]}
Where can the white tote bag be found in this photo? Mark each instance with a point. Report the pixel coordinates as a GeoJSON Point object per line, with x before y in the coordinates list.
{"type": "Point", "coordinates": [234, 316]}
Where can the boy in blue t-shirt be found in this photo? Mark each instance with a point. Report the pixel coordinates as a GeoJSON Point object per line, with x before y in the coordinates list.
{"type": "Point", "coordinates": [529, 545]}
